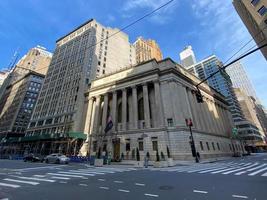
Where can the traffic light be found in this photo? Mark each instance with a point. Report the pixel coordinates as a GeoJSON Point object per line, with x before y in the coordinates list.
{"type": "Point", "coordinates": [189, 122]}
{"type": "Point", "coordinates": [199, 96]}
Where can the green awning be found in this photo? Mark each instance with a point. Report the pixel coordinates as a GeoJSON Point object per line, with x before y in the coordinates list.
{"type": "Point", "coordinates": [77, 135]}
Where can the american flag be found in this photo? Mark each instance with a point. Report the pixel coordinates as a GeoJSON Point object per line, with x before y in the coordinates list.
{"type": "Point", "coordinates": [109, 124]}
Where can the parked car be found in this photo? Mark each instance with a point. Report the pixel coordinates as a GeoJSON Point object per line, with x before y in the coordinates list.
{"type": "Point", "coordinates": [56, 158]}
{"type": "Point", "coordinates": [31, 158]}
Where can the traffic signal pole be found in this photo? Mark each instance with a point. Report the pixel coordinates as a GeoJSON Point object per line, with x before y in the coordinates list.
{"type": "Point", "coordinates": [192, 142]}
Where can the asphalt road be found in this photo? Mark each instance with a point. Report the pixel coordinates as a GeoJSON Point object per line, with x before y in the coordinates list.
{"type": "Point", "coordinates": [231, 179]}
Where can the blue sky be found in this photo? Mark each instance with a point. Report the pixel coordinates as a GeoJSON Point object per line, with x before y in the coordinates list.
{"type": "Point", "coordinates": [210, 26]}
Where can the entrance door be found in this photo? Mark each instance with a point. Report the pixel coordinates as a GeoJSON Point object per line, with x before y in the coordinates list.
{"type": "Point", "coordinates": [116, 149]}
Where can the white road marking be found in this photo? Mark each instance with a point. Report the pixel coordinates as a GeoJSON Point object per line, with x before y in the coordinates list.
{"type": "Point", "coordinates": [85, 178]}
{"type": "Point", "coordinates": [200, 191]}
{"type": "Point", "coordinates": [9, 185]}
{"type": "Point", "coordinates": [82, 184]}
{"type": "Point", "coordinates": [259, 171]}
{"type": "Point", "coordinates": [236, 170]}
{"type": "Point", "coordinates": [92, 172]}
{"type": "Point", "coordinates": [76, 173]}
{"type": "Point", "coordinates": [249, 170]}
{"type": "Point", "coordinates": [67, 175]}
{"type": "Point", "coordinates": [40, 176]}
{"type": "Point", "coordinates": [151, 195]}
{"type": "Point", "coordinates": [4, 199]}
{"type": "Point", "coordinates": [265, 174]}
{"type": "Point", "coordinates": [100, 179]}
{"type": "Point", "coordinates": [63, 182]}
{"type": "Point", "coordinates": [20, 181]}
{"type": "Point", "coordinates": [210, 170]}
{"type": "Point", "coordinates": [36, 179]}
{"type": "Point", "coordinates": [239, 196]}
{"type": "Point", "coordinates": [104, 188]}
{"type": "Point", "coordinates": [118, 181]}
{"type": "Point", "coordinates": [25, 169]}
{"type": "Point", "coordinates": [98, 171]}
{"type": "Point", "coordinates": [121, 190]}
{"type": "Point", "coordinates": [60, 178]}
{"type": "Point", "coordinates": [140, 184]}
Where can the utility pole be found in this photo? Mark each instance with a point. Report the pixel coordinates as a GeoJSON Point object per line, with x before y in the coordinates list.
{"type": "Point", "coordinates": [189, 123]}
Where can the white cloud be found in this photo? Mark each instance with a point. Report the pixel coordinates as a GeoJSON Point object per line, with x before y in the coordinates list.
{"type": "Point", "coordinates": [162, 16]}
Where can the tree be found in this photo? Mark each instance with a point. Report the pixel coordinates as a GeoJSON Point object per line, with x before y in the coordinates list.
{"type": "Point", "coordinates": [137, 154]}
{"type": "Point", "coordinates": [168, 152]}
{"type": "Point", "coordinates": [157, 156]}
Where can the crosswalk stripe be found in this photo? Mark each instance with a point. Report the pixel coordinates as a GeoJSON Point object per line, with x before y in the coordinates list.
{"type": "Point", "coordinates": [242, 168]}
{"type": "Point", "coordinates": [9, 185]}
{"type": "Point", "coordinates": [249, 170]}
{"type": "Point", "coordinates": [259, 171]}
{"type": "Point", "coordinates": [67, 175]}
{"type": "Point", "coordinates": [223, 170]}
{"type": "Point", "coordinates": [93, 172]}
{"type": "Point", "coordinates": [265, 174]}
{"type": "Point", "coordinates": [76, 173]}
{"type": "Point", "coordinates": [40, 176]}
{"type": "Point", "coordinates": [36, 179]}
{"type": "Point", "coordinates": [100, 171]}
{"type": "Point", "coordinates": [60, 178]}
{"type": "Point", "coordinates": [20, 181]}
{"type": "Point", "coordinates": [210, 170]}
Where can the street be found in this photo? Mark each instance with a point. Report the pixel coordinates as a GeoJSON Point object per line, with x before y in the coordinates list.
{"type": "Point", "coordinates": [235, 178]}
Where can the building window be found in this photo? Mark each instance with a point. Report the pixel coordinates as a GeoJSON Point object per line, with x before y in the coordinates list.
{"type": "Point", "coordinates": [213, 146]}
{"type": "Point", "coordinates": [170, 122]}
{"type": "Point", "coordinates": [218, 146]}
{"type": "Point", "coordinates": [208, 147]}
{"type": "Point", "coordinates": [128, 146]}
{"type": "Point", "coordinates": [141, 145]}
{"type": "Point", "coordinates": [94, 146]}
{"type": "Point", "coordinates": [155, 145]}
{"type": "Point", "coordinates": [262, 11]}
{"type": "Point", "coordinates": [255, 2]}
{"type": "Point", "coordinates": [201, 145]}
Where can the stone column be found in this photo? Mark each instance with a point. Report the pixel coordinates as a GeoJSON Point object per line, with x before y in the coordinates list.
{"type": "Point", "coordinates": [97, 112]}
{"type": "Point", "coordinates": [105, 110]}
{"type": "Point", "coordinates": [146, 106]}
{"type": "Point", "coordinates": [135, 107]}
{"type": "Point", "coordinates": [88, 116]}
{"type": "Point", "coordinates": [158, 102]}
{"type": "Point", "coordinates": [114, 110]}
{"type": "Point", "coordinates": [124, 108]}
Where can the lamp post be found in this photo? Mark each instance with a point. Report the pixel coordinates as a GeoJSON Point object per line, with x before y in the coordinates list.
{"type": "Point", "coordinates": [189, 123]}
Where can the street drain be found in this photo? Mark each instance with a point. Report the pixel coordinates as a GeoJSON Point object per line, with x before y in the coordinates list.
{"type": "Point", "coordinates": [165, 187]}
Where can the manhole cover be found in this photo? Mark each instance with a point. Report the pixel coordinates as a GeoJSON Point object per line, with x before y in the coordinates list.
{"type": "Point", "coordinates": [165, 187]}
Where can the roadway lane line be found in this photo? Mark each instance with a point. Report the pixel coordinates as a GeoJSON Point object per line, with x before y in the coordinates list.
{"type": "Point", "coordinates": [20, 181]}
{"type": "Point", "coordinates": [239, 196]}
{"type": "Point", "coordinates": [140, 184]}
{"type": "Point", "coordinates": [9, 185]}
{"type": "Point", "coordinates": [259, 171]}
{"type": "Point", "coordinates": [36, 179]}
{"type": "Point", "coordinates": [104, 188]}
{"type": "Point", "coordinates": [101, 179]}
{"type": "Point", "coordinates": [67, 175]}
{"type": "Point", "coordinates": [121, 190]}
{"type": "Point", "coordinates": [200, 191]}
{"type": "Point", "coordinates": [60, 178]}
{"type": "Point", "coordinates": [151, 195]}
{"type": "Point", "coordinates": [76, 173]}
{"type": "Point", "coordinates": [63, 182]}
{"type": "Point", "coordinates": [118, 181]}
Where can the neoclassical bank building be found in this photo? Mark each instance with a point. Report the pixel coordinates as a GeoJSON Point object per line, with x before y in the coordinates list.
{"type": "Point", "coordinates": [148, 104]}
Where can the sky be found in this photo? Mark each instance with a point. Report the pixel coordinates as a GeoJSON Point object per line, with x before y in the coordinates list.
{"type": "Point", "coordinates": [209, 26]}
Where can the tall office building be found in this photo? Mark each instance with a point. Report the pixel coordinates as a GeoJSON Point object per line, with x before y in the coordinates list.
{"type": "Point", "coordinates": [249, 109]}
{"type": "Point", "coordinates": [187, 57]}
{"type": "Point", "coordinates": [253, 14]}
{"type": "Point", "coordinates": [20, 90]}
{"type": "Point", "coordinates": [240, 79]}
{"type": "Point", "coordinates": [147, 50]}
{"type": "Point", "coordinates": [221, 82]}
{"type": "Point", "coordinates": [3, 76]}
{"type": "Point", "coordinates": [80, 56]}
